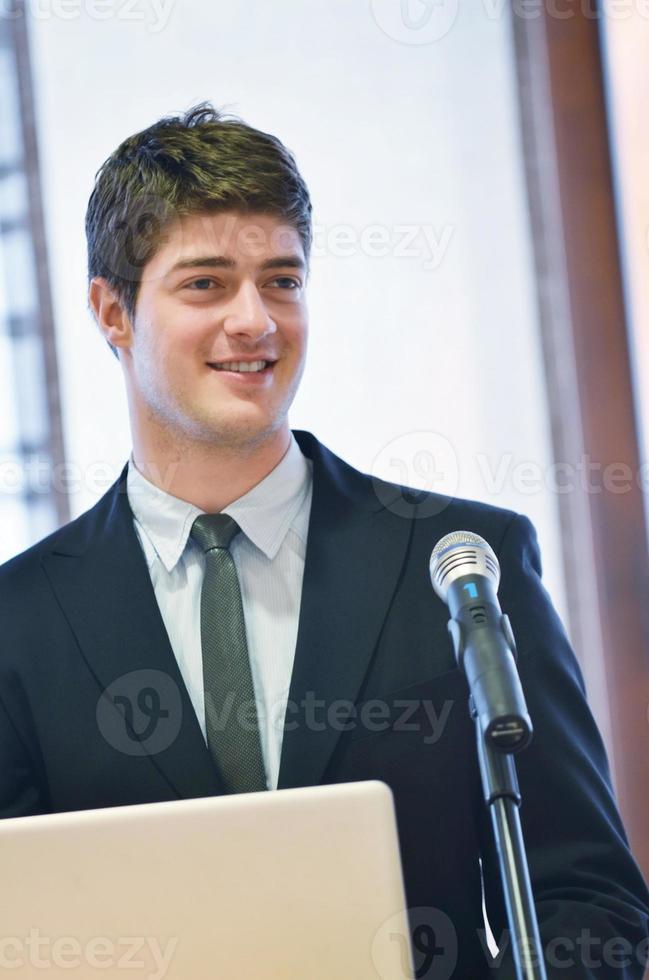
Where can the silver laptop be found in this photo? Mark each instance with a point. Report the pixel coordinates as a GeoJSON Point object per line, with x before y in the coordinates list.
{"type": "Point", "coordinates": [286, 885]}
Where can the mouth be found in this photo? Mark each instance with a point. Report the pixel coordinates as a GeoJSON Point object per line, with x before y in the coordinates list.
{"type": "Point", "coordinates": [242, 367]}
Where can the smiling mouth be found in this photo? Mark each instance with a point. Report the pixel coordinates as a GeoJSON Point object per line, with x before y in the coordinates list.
{"type": "Point", "coordinates": [243, 367]}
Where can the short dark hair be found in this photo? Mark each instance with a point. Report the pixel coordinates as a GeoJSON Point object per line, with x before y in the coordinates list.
{"type": "Point", "coordinates": [204, 161]}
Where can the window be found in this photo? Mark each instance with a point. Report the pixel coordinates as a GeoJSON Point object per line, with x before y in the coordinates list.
{"type": "Point", "coordinates": [30, 432]}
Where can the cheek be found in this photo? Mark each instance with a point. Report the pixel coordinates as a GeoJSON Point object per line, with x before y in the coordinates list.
{"type": "Point", "coordinates": [169, 349]}
{"type": "Point", "coordinates": [159, 363]}
{"type": "Point", "coordinates": [296, 330]}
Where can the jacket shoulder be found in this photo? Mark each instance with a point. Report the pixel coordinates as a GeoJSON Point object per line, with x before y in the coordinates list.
{"type": "Point", "coordinates": [427, 508]}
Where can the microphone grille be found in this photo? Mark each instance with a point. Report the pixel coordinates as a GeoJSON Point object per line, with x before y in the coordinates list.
{"type": "Point", "coordinates": [461, 553]}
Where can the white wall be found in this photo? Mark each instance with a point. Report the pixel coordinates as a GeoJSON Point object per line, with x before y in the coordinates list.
{"type": "Point", "coordinates": [413, 130]}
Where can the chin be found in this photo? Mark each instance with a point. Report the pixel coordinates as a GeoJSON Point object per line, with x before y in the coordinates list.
{"type": "Point", "coordinates": [239, 433]}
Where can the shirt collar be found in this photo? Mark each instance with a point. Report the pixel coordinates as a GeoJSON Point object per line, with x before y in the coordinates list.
{"type": "Point", "coordinates": [265, 514]}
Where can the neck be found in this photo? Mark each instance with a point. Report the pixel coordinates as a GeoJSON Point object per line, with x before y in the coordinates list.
{"type": "Point", "coordinates": [210, 476]}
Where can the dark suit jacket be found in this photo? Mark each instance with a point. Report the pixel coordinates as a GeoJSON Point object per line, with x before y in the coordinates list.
{"type": "Point", "coordinates": [84, 650]}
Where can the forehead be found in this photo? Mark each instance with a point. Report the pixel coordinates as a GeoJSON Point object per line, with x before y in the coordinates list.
{"type": "Point", "coordinates": [244, 238]}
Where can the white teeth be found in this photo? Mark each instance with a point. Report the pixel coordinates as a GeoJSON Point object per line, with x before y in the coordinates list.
{"type": "Point", "coordinates": [241, 366]}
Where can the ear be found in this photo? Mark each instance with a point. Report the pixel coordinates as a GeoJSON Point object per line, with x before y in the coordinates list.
{"type": "Point", "coordinates": [112, 318]}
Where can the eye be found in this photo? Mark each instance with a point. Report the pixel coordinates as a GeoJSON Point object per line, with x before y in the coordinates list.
{"type": "Point", "coordinates": [201, 284]}
{"type": "Point", "coordinates": [287, 282]}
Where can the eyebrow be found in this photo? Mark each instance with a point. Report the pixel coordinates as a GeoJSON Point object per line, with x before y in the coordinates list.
{"type": "Point", "coordinates": [222, 262]}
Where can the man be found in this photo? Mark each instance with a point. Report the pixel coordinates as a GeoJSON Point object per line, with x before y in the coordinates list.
{"type": "Point", "coordinates": [244, 611]}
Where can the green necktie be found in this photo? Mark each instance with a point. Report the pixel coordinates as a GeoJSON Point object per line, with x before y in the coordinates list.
{"type": "Point", "coordinates": [230, 709]}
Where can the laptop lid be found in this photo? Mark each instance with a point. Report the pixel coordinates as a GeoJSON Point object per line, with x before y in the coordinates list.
{"type": "Point", "coordinates": [281, 885]}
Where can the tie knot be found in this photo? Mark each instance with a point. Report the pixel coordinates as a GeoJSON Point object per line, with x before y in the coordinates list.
{"type": "Point", "coordinates": [214, 531]}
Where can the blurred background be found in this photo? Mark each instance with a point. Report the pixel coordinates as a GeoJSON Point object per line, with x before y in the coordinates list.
{"type": "Point", "coordinates": [478, 295]}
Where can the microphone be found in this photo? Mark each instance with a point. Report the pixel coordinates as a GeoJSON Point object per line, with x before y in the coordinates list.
{"type": "Point", "coordinates": [465, 574]}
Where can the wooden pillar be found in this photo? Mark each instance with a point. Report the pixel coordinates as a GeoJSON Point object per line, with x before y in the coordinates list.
{"type": "Point", "coordinates": [584, 328]}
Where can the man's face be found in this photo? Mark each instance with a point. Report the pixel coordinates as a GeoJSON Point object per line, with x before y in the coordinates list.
{"type": "Point", "coordinates": [220, 330]}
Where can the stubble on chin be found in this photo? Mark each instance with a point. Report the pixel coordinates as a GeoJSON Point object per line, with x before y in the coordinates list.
{"type": "Point", "coordinates": [181, 435]}
{"type": "Point", "coordinates": [181, 426]}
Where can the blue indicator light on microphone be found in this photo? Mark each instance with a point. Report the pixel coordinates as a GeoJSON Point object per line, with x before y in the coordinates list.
{"type": "Point", "coordinates": [471, 589]}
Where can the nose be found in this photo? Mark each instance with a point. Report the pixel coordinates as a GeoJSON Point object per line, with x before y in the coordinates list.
{"type": "Point", "coordinates": [247, 316]}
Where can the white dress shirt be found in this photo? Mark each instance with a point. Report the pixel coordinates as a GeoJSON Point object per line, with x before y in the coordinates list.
{"type": "Point", "coordinates": [269, 558]}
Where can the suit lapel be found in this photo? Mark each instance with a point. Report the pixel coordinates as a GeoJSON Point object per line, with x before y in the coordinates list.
{"type": "Point", "coordinates": [355, 551]}
{"type": "Point", "coordinates": [100, 577]}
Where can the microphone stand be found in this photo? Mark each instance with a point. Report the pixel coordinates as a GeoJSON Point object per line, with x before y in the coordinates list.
{"type": "Point", "coordinates": [502, 797]}
{"type": "Point", "coordinates": [465, 574]}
